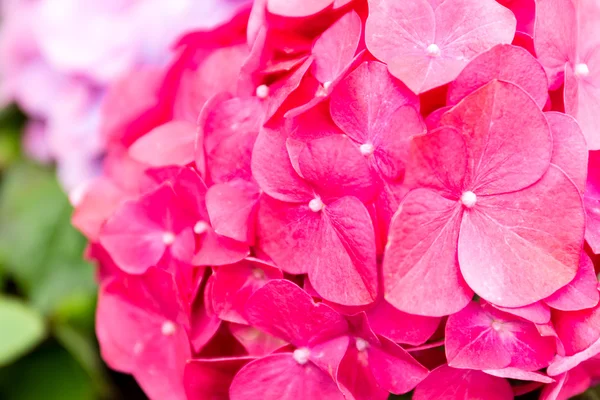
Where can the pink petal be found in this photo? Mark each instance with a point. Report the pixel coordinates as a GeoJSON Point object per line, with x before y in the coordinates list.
{"type": "Point", "coordinates": [284, 87]}
{"type": "Point", "coordinates": [479, 337]}
{"type": "Point", "coordinates": [563, 364]}
{"type": "Point", "coordinates": [524, 10]}
{"type": "Point", "coordinates": [334, 167]}
{"type": "Point", "coordinates": [231, 208]}
{"type": "Point", "coordinates": [256, 342]}
{"type": "Point", "coordinates": [219, 250]}
{"type": "Point", "coordinates": [335, 48]}
{"type": "Point", "coordinates": [272, 169]}
{"type": "Point", "coordinates": [519, 374]}
{"type": "Point", "coordinates": [420, 270]}
{"type": "Point", "coordinates": [344, 268]}
{"type": "Point", "coordinates": [401, 34]}
{"type": "Point", "coordinates": [504, 62]}
{"type": "Point", "coordinates": [230, 128]}
{"type": "Point", "coordinates": [209, 379]}
{"type": "Point", "coordinates": [280, 377]}
{"type": "Point", "coordinates": [284, 310]}
{"type": "Point", "coordinates": [538, 312]}
{"type": "Point", "coordinates": [297, 8]}
{"type": "Point", "coordinates": [501, 254]}
{"type": "Point", "coordinates": [577, 330]}
{"type": "Point", "coordinates": [433, 120]}
{"type": "Point", "coordinates": [399, 326]}
{"type": "Point", "coordinates": [581, 292]}
{"type": "Point", "coordinates": [507, 136]}
{"type": "Point", "coordinates": [462, 384]}
{"type": "Point", "coordinates": [570, 150]}
{"type": "Point", "coordinates": [233, 284]}
{"type": "Point", "coordinates": [592, 202]}
{"type": "Point", "coordinates": [168, 144]}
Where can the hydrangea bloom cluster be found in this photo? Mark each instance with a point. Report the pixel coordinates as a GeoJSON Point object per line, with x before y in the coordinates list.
{"type": "Point", "coordinates": [58, 56]}
{"type": "Point", "coordinates": [338, 199]}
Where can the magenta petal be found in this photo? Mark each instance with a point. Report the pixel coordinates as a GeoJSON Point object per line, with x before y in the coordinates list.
{"type": "Point", "coordinates": [504, 62]}
{"type": "Point", "coordinates": [256, 342]}
{"type": "Point", "coordinates": [169, 144]}
{"type": "Point", "coordinates": [462, 384]}
{"type": "Point", "coordinates": [343, 267]}
{"type": "Point", "coordinates": [503, 253]}
{"type": "Point", "coordinates": [570, 150]}
{"type": "Point", "coordinates": [592, 202]}
{"type": "Point", "coordinates": [420, 270]}
{"type": "Point", "coordinates": [272, 168]}
{"type": "Point", "coordinates": [284, 310]}
{"type": "Point", "coordinates": [507, 136]}
{"type": "Point", "coordinates": [280, 377]}
{"type": "Point", "coordinates": [426, 44]}
{"type": "Point", "coordinates": [479, 337]}
{"type": "Point", "coordinates": [581, 292]}
{"type": "Point", "coordinates": [219, 250]}
{"type": "Point", "coordinates": [231, 207]}
{"type": "Point", "coordinates": [577, 330]}
{"type": "Point", "coordinates": [335, 48]}
{"type": "Point", "coordinates": [209, 379]}
{"type": "Point", "coordinates": [538, 312]}
{"type": "Point", "coordinates": [519, 374]}
{"type": "Point", "coordinates": [335, 168]}
{"type": "Point", "coordinates": [399, 326]}
{"type": "Point", "coordinates": [233, 284]}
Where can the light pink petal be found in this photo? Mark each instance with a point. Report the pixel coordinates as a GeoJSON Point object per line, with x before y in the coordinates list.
{"type": "Point", "coordinates": [519, 374]}
{"type": "Point", "coordinates": [231, 208]}
{"type": "Point", "coordinates": [570, 151]}
{"type": "Point", "coordinates": [420, 270]}
{"type": "Point", "coordinates": [555, 36]}
{"type": "Point", "coordinates": [334, 167]}
{"type": "Point", "coordinates": [280, 377]}
{"type": "Point", "coordinates": [219, 250]}
{"type": "Point", "coordinates": [479, 337]}
{"type": "Point", "coordinates": [230, 129]}
{"type": "Point", "coordinates": [335, 48]}
{"type": "Point", "coordinates": [462, 384]}
{"type": "Point", "coordinates": [399, 326]}
{"type": "Point", "coordinates": [519, 257]}
{"type": "Point", "coordinates": [272, 168]}
{"type": "Point", "coordinates": [285, 311]}
{"type": "Point", "coordinates": [581, 292]}
{"type": "Point", "coordinates": [209, 379]}
{"type": "Point", "coordinates": [508, 138]}
{"type": "Point", "coordinates": [168, 144]}
{"type": "Point", "coordinates": [341, 260]}
{"type": "Point", "coordinates": [256, 342]}
{"type": "Point", "coordinates": [297, 8]}
{"type": "Point", "coordinates": [504, 62]}
{"type": "Point", "coordinates": [427, 44]}
{"type": "Point", "coordinates": [592, 202]}
{"type": "Point", "coordinates": [538, 312]}
{"type": "Point", "coordinates": [233, 284]}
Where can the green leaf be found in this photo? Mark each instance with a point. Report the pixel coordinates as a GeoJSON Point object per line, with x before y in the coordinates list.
{"type": "Point", "coordinates": [21, 329]}
{"type": "Point", "coordinates": [39, 248]}
{"type": "Point", "coordinates": [49, 373]}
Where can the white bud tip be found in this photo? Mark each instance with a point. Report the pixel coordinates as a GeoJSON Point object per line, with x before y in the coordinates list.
{"type": "Point", "coordinates": [469, 199]}
{"type": "Point", "coordinates": [200, 227]}
{"type": "Point", "coordinates": [316, 205]}
{"type": "Point", "coordinates": [497, 326]}
{"type": "Point", "coordinates": [168, 238]}
{"type": "Point", "coordinates": [258, 273]}
{"type": "Point", "coordinates": [433, 50]}
{"type": "Point", "coordinates": [582, 70]}
{"type": "Point", "coordinates": [367, 149]}
{"type": "Point", "coordinates": [301, 355]}
{"type": "Point", "coordinates": [361, 344]}
{"type": "Point", "coordinates": [168, 328]}
{"type": "Point", "coordinates": [262, 92]}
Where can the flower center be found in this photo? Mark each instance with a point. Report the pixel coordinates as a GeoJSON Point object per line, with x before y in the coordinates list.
{"type": "Point", "coordinates": [326, 85]}
{"type": "Point", "coordinates": [361, 344]}
{"type": "Point", "coordinates": [367, 149]}
{"type": "Point", "coordinates": [301, 355]}
{"type": "Point", "coordinates": [200, 227]}
{"type": "Point", "coordinates": [168, 238]}
{"type": "Point", "coordinates": [469, 199]}
{"type": "Point", "coordinates": [316, 205]}
{"type": "Point", "coordinates": [433, 50]}
{"type": "Point", "coordinates": [258, 274]}
{"type": "Point", "coordinates": [168, 328]}
{"type": "Point", "coordinates": [262, 92]}
{"type": "Point", "coordinates": [497, 326]}
{"type": "Point", "coordinates": [582, 70]}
